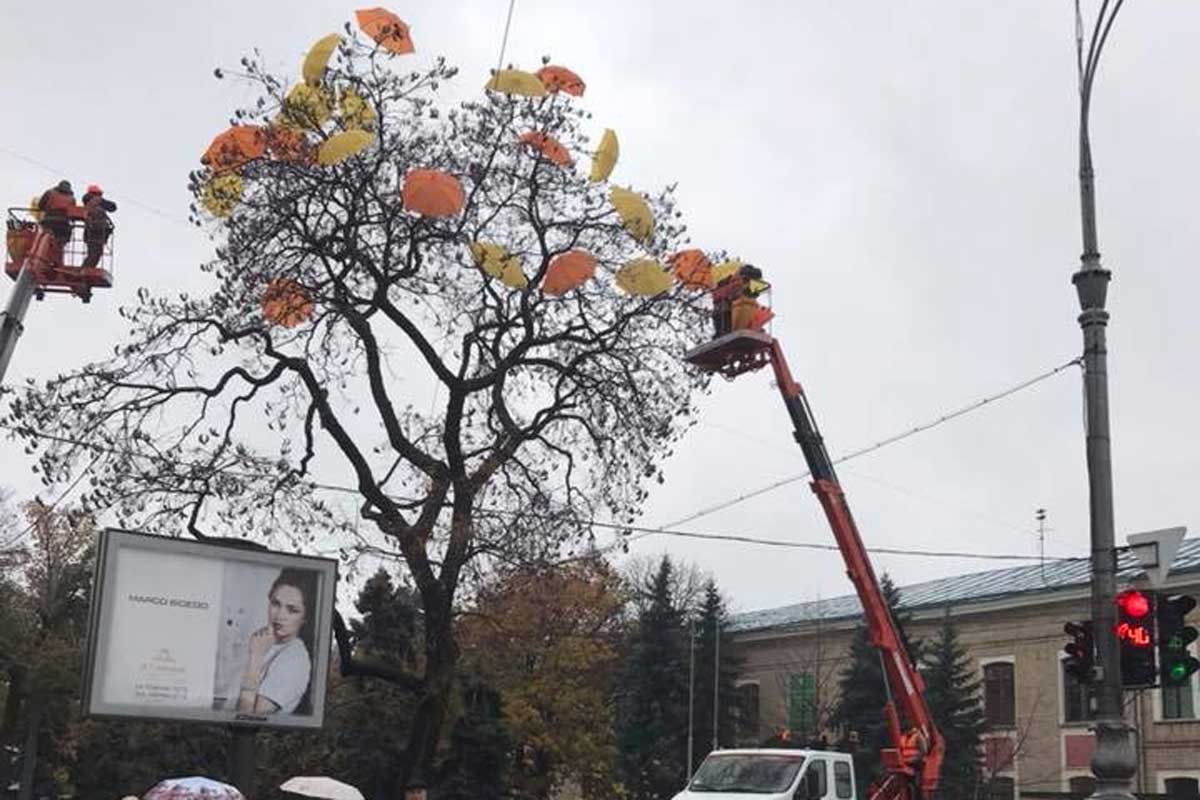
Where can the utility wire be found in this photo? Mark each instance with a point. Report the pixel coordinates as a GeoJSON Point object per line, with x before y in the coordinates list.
{"type": "Point", "coordinates": [504, 41]}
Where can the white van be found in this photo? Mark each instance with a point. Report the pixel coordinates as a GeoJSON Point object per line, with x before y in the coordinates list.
{"type": "Point", "coordinates": [774, 774]}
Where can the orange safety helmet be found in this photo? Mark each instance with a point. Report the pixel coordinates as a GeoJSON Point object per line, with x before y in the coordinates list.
{"type": "Point", "coordinates": [94, 188]}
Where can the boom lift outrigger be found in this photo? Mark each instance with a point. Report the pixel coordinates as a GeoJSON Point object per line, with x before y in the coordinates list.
{"type": "Point", "coordinates": [913, 762]}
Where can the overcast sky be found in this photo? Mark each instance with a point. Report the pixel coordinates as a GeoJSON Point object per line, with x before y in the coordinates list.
{"type": "Point", "coordinates": [904, 172]}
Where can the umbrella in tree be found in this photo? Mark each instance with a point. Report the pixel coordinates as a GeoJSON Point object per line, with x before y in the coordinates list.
{"type": "Point", "coordinates": [221, 194]}
{"type": "Point", "coordinates": [723, 270]}
{"type": "Point", "coordinates": [340, 146]}
{"type": "Point", "coordinates": [561, 79]}
{"type": "Point", "coordinates": [286, 303]}
{"type": "Point", "coordinates": [635, 215]}
{"type": "Point", "coordinates": [692, 268]}
{"type": "Point", "coordinates": [432, 193]}
{"type": "Point", "coordinates": [643, 277]}
{"type": "Point", "coordinates": [605, 157]}
{"type": "Point", "coordinates": [234, 148]}
{"type": "Point", "coordinates": [355, 112]}
{"type": "Point", "coordinates": [548, 146]}
{"type": "Point", "coordinates": [192, 789]}
{"type": "Point", "coordinates": [323, 787]}
{"type": "Point", "coordinates": [289, 144]}
{"type": "Point", "coordinates": [389, 31]}
{"type": "Point", "coordinates": [515, 81]}
{"type": "Point", "coordinates": [318, 58]}
{"type": "Point", "coordinates": [568, 271]}
{"type": "Point", "coordinates": [499, 263]}
{"type": "Point", "coordinates": [306, 106]}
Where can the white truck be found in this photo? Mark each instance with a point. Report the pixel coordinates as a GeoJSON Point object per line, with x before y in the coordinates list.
{"type": "Point", "coordinates": [772, 774]}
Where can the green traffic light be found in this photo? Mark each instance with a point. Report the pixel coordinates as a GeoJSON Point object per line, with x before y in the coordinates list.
{"type": "Point", "coordinates": [1178, 672]}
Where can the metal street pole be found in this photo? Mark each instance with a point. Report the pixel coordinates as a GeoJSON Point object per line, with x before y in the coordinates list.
{"type": "Point", "coordinates": [691, 693]}
{"type": "Point", "coordinates": [1114, 760]}
{"type": "Point", "coordinates": [716, 678]}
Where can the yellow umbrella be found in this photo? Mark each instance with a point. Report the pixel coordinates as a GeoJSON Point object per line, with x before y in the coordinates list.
{"type": "Point", "coordinates": [644, 277]}
{"type": "Point", "coordinates": [724, 270]}
{"type": "Point", "coordinates": [499, 263]}
{"type": "Point", "coordinates": [221, 194]}
{"type": "Point", "coordinates": [515, 81]}
{"type": "Point", "coordinates": [635, 215]}
{"type": "Point", "coordinates": [340, 146]}
{"type": "Point", "coordinates": [318, 58]}
{"type": "Point", "coordinates": [605, 157]}
{"type": "Point", "coordinates": [356, 112]}
{"type": "Point", "coordinates": [306, 106]}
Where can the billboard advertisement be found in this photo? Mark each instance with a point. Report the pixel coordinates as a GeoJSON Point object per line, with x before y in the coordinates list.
{"type": "Point", "coordinates": [187, 630]}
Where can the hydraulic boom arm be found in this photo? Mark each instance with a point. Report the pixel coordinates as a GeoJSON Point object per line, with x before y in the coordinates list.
{"type": "Point", "coordinates": [914, 761]}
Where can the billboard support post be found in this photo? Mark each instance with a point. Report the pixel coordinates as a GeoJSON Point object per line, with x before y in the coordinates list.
{"type": "Point", "coordinates": [242, 759]}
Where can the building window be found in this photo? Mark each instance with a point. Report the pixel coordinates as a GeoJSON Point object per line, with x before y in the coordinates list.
{"type": "Point", "coordinates": [1183, 788]}
{"type": "Point", "coordinates": [1082, 786]}
{"type": "Point", "coordinates": [1002, 788]}
{"type": "Point", "coordinates": [999, 699]}
{"type": "Point", "coordinates": [747, 712]}
{"type": "Point", "coordinates": [1077, 698]}
{"type": "Point", "coordinates": [802, 703]}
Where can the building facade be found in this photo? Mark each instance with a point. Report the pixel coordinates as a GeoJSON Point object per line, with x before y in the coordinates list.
{"type": "Point", "coordinates": [1010, 622]}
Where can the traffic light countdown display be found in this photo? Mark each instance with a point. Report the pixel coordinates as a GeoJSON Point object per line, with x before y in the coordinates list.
{"type": "Point", "coordinates": [1176, 663]}
{"type": "Point", "coordinates": [1135, 632]}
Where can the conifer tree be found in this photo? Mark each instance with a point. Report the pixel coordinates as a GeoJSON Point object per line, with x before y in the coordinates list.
{"type": "Point", "coordinates": [652, 699]}
{"type": "Point", "coordinates": [712, 618]}
{"type": "Point", "coordinates": [862, 693]}
{"type": "Point", "coordinates": [953, 693]}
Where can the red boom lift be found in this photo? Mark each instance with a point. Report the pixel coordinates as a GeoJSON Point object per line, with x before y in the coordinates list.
{"type": "Point", "coordinates": [913, 762]}
{"type": "Point", "coordinates": [41, 264]}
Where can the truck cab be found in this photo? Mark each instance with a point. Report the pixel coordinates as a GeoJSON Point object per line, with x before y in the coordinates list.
{"type": "Point", "coordinates": [772, 774]}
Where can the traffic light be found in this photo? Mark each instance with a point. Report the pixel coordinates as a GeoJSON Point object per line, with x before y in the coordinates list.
{"type": "Point", "coordinates": [1176, 663]}
{"type": "Point", "coordinates": [1081, 651]}
{"type": "Point", "coordinates": [1135, 633]}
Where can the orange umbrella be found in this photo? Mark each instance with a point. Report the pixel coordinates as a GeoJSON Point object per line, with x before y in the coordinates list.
{"type": "Point", "coordinates": [235, 148]}
{"type": "Point", "coordinates": [289, 144]}
{"type": "Point", "coordinates": [568, 271]}
{"type": "Point", "coordinates": [389, 31]}
{"type": "Point", "coordinates": [561, 79]}
{"type": "Point", "coordinates": [432, 193]}
{"type": "Point", "coordinates": [548, 146]}
{"type": "Point", "coordinates": [285, 303]}
{"type": "Point", "coordinates": [692, 268]}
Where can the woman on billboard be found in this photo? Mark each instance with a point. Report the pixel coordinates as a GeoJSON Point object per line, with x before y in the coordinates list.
{"type": "Point", "coordinates": [279, 666]}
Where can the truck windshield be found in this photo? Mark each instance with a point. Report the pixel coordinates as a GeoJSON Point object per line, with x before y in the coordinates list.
{"type": "Point", "coordinates": [747, 772]}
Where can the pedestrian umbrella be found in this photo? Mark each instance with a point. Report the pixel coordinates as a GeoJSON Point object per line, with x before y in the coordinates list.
{"type": "Point", "coordinates": [389, 31]}
{"type": "Point", "coordinates": [192, 789]}
{"type": "Point", "coordinates": [496, 261]}
{"type": "Point", "coordinates": [692, 268]}
{"type": "Point", "coordinates": [548, 146]}
{"type": "Point", "coordinates": [327, 788]}
{"type": "Point", "coordinates": [340, 146]}
{"type": "Point", "coordinates": [234, 148]}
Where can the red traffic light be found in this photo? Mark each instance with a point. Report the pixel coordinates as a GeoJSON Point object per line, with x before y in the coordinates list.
{"type": "Point", "coordinates": [1133, 603]}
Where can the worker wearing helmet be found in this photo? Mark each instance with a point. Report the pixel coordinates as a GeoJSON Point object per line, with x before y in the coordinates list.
{"type": "Point", "coordinates": [98, 227]}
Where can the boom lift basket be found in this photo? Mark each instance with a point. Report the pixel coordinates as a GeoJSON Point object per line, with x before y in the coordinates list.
{"type": "Point", "coordinates": [57, 267]}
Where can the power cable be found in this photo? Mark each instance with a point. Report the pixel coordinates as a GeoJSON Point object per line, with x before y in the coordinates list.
{"type": "Point", "coordinates": [66, 492]}
{"type": "Point", "coordinates": [504, 41]}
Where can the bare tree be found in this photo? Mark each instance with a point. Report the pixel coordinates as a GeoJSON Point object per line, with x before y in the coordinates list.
{"type": "Point", "coordinates": [687, 582]}
{"type": "Point", "coordinates": [551, 409]}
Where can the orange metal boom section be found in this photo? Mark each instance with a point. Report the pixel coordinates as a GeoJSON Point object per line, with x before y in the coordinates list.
{"type": "Point", "coordinates": [911, 765]}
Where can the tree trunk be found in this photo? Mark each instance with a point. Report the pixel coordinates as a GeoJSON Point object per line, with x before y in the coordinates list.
{"type": "Point", "coordinates": [441, 658]}
{"type": "Point", "coordinates": [29, 754]}
{"type": "Point", "coordinates": [12, 703]}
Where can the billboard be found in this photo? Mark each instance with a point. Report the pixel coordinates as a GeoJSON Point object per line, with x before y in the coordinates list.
{"type": "Point", "coordinates": [187, 630]}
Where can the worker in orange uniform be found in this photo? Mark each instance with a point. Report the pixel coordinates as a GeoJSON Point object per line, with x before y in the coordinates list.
{"type": "Point", "coordinates": [98, 226]}
{"type": "Point", "coordinates": [913, 747]}
{"type": "Point", "coordinates": [734, 303]}
{"type": "Point", "coordinates": [55, 203]}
